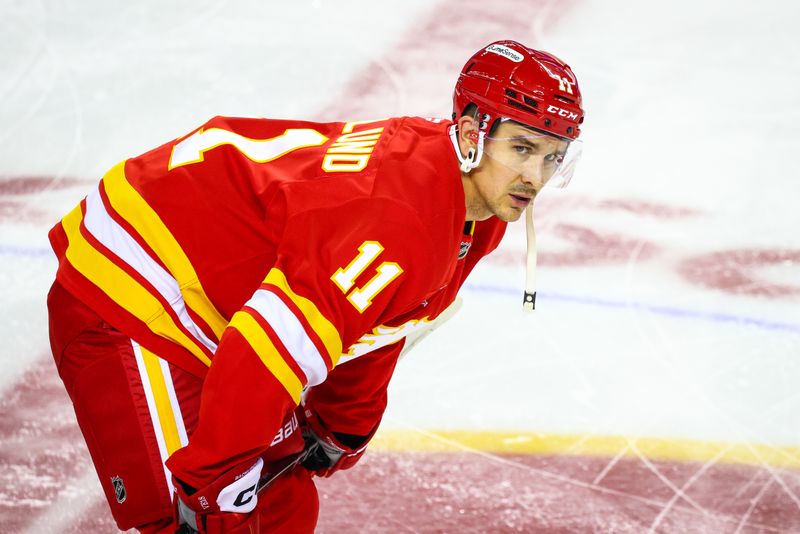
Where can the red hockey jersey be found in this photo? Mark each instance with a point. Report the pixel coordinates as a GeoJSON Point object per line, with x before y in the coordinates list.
{"type": "Point", "coordinates": [276, 250]}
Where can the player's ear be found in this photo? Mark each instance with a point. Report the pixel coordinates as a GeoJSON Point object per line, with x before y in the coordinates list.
{"type": "Point", "coordinates": [467, 133]}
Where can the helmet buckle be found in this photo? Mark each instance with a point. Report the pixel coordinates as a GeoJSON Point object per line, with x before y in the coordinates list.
{"type": "Point", "coordinates": [467, 163]}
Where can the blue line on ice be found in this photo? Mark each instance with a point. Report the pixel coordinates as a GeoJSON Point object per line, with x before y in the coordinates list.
{"type": "Point", "coordinates": [24, 252]}
{"type": "Point", "coordinates": [714, 317]}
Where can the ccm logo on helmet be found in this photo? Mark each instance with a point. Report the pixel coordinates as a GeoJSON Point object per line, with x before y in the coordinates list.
{"type": "Point", "coordinates": [506, 52]}
{"type": "Point", "coordinates": [571, 115]}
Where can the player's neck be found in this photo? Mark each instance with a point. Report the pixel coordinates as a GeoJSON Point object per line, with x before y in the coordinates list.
{"type": "Point", "coordinates": [476, 208]}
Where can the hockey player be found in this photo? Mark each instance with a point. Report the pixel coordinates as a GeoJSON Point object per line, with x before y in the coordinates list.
{"type": "Point", "coordinates": [240, 295]}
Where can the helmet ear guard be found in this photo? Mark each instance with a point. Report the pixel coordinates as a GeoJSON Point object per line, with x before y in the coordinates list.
{"type": "Point", "coordinates": [474, 154]}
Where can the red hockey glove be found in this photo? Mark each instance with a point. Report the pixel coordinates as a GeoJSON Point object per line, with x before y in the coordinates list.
{"type": "Point", "coordinates": [336, 451]}
{"type": "Point", "coordinates": [224, 506]}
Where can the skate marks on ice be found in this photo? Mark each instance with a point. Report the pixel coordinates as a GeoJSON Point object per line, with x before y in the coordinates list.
{"type": "Point", "coordinates": [624, 231]}
{"type": "Point", "coordinates": [442, 493]}
{"type": "Point", "coordinates": [416, 76]}
{"type": "Point", "coordinates": [28, 199]}
{"type": "Point", "coordinates": [448, 486]}
{"type": "Point", "coordinates": [440, 482]}
{"type": "Point", "coordinates": [47, 482]}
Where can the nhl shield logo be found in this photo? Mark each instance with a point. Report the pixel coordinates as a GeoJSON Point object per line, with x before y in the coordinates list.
{"type": "Point", "coordinates": [119, 489]}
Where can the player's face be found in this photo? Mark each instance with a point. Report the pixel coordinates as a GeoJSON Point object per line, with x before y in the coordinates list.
{"type": "Point", "coordinates": [517, 163]}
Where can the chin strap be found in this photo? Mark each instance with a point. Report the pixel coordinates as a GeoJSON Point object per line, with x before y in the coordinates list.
{"type": "Point", "coordinates": [473, 158]}
{"type": "Point", "coordinates": [529, 301]}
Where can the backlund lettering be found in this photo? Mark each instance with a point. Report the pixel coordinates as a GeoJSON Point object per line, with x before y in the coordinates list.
{"type": "Point", "coordinates": [352, 150]}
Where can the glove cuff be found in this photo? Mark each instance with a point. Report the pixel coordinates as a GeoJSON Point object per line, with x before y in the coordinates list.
{"type": "Point", "coordinates": [234, 491]}
{"type": "Point", "coordinates": [338, 450]}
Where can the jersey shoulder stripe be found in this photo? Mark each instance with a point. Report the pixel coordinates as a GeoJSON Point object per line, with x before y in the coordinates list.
{"type": "Point", "coordinates": [130, 205]}
{"type": "Point", "coordinates": [129, 254]}
{"type": "Point", "coordinates": [123, 288]}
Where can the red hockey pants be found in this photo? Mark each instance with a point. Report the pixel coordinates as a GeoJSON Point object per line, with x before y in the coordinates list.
{"type": "Point", "coordinates": [134, 410]}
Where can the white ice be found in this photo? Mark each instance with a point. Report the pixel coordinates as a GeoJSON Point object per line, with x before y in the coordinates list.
{"type": "Point", "coordinates": [692, 106]}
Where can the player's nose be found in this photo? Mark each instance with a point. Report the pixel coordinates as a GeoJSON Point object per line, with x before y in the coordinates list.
{"type": "Point", "coordinates": [533, 174]}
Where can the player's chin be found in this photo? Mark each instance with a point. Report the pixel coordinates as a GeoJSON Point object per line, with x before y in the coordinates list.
{"type": "Point", "coordinates": [509, 214]}
{"type": "Point", "coordinates": [514, 206]}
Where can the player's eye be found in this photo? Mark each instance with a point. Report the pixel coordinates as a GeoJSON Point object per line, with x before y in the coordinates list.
{"type": "Point", "coordinates": [522, 149]}
{"type": "Point", "coordinates": [556, 159]}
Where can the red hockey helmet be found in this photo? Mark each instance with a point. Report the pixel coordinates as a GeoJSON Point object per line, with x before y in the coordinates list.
{"type": "Point", "coordinates": [509, 80]}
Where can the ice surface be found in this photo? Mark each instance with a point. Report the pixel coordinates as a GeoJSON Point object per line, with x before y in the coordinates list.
{"type": "Point", "coordinates": [669, 303]}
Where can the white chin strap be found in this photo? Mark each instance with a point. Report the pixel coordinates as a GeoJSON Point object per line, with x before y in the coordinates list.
{"type": "Point", "coordinates": [529, 301]}
{"type": "Point", "coordinates": [473, 158]}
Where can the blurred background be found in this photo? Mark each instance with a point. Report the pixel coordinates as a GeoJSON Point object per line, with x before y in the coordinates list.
{"type": "Point", "coordinates": [655, 389]}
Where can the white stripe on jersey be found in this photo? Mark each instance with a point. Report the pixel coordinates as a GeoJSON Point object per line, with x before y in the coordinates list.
{"type": "Point", "coordinates": [291, 333]}
{"type": "Point", "coordinates": [159, 424]}
{"type": "Point", "coordinates": [115, 238]}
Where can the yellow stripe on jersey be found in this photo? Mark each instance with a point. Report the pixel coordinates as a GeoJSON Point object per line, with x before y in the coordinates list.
{"type": "Point", "coordinates": [158, 386]}
{"type": "Point", "coordinates": [269, 355]}
{"type": "Point", "coordinates": [321, 325]}
{"type": "Point", "coordinates": [121, 287]}
{"type": "Point", "coordinates": [137, 212]}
